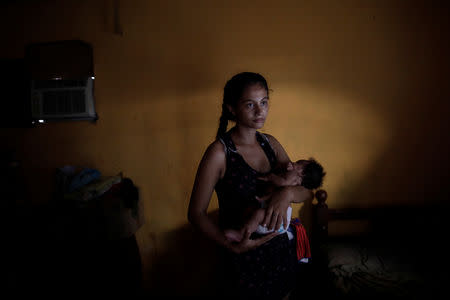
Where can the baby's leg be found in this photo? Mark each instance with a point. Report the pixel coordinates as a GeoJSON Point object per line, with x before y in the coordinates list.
{"type": "Point", "coordinates": [254, 221]}
{"type": "Point", "coordinates": [258, 216]}
{"type": "Point", "coordinates": [249, 227]}
{"type": "Point", "coordinates": [263, 229]}
{"type": "Point", "coordinates": [233, 235]}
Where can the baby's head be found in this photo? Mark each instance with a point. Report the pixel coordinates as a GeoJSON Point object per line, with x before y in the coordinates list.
{"type": "Point", "coordinates": [312, 173]}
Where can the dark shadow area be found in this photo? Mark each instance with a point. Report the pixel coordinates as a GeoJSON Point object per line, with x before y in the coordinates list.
{"type": "Point", "coordinates": [15, 96]}
{"type": "Point", "coordinates": [190, 265]}
{"type": "Point", "coordinates": [51, 254]}
{"type": "Point", "coordinates": [60, 249]}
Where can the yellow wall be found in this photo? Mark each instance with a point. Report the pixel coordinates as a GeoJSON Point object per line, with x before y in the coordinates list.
{"type": "Point", "coordinates": [360, 86]}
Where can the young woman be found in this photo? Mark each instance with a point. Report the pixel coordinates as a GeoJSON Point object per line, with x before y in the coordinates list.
{"type": "Point", "coordinates": [259, 266]}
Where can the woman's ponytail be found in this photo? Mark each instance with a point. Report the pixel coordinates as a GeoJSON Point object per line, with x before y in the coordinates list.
{"type": "Point", "coordinates": [223, 122]}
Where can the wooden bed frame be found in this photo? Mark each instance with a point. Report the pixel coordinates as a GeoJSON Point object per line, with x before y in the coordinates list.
{"type": "Point", "coordinates": [409, 240]}
{"type": "Point", "coordinates": [319, 220]}
{"type": "Point", "coordinates": [322, 216]}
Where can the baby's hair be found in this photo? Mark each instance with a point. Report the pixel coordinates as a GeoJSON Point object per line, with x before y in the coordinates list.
{"type": "Point", "coordinates": [232, 92]}
{"type": "Point", "coordinates": [313, 175]}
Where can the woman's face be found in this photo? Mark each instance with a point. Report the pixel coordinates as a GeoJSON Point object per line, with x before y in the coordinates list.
{"type": "Point", "coordinates": [251, 110]}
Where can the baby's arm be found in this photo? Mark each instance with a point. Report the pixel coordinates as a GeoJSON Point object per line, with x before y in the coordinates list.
{"type": "Point", "coordinates": [275, 179]}
{"type": "Point", "coordinates": [289, 178]}
{"type": "Point", "coordinates": [255, 220]}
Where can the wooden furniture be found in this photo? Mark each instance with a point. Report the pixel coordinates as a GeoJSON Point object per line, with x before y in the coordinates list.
{"type": "Point", "coordinates": [395, 251]}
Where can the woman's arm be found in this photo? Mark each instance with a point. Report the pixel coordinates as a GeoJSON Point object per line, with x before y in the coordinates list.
{"type": "Point", "coordinates": [283, 196]}
{"type": "Point", "coordinates": [210, 170]}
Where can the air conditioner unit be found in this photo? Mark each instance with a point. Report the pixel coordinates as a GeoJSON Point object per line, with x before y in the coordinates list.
{"type": "Point", "coordinates": [61, 81]}
{"type": "Point", "coordinates": [59, 99]}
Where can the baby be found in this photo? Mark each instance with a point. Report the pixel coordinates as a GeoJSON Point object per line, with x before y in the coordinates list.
{"type": "Point", "coordinates": [307, 173]}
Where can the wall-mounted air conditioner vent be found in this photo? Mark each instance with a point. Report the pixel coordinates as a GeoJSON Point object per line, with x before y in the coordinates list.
{"type": "Point", "coordinates": [58, 83]}
{"type": "Point", "coordinates": [62, 81]}
{"type": "Point", "coordinates": [63, 99]}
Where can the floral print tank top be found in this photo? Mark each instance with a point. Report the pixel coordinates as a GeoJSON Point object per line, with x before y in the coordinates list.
{"type": "Point", "coordinates": [236, 191]}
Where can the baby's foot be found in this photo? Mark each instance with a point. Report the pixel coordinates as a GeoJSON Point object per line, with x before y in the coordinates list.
{"type": "Point", "coordinates": [233, 235]}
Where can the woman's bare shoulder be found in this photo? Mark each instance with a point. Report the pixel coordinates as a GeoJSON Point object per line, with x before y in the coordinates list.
{"type": "Point", "coordinates": [215, 154]}
{"type": "Point", "coordinates": [216, 149]}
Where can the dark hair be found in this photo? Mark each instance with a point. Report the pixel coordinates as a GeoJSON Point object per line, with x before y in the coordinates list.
{"type": "Point", "coordinates": [313, 175]}
{"type": "Point", "coordinates": [232, 92]}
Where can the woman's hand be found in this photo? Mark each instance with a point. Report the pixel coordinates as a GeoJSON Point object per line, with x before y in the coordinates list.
{"type": "Point", "coordinates": [276, 211]}
{"type": "Point", "coordinates": [246, 244]}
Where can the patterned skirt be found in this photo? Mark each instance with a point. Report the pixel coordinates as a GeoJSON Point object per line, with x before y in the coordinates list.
{"type": "Point", "coordinates": [267, 272]}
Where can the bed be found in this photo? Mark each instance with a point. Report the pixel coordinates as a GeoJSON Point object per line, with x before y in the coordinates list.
{"type": "Point", "coordinates": [397, 251]}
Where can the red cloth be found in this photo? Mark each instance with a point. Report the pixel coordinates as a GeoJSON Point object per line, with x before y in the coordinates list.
{"type": "Point", "coordinates": [302, 246]}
